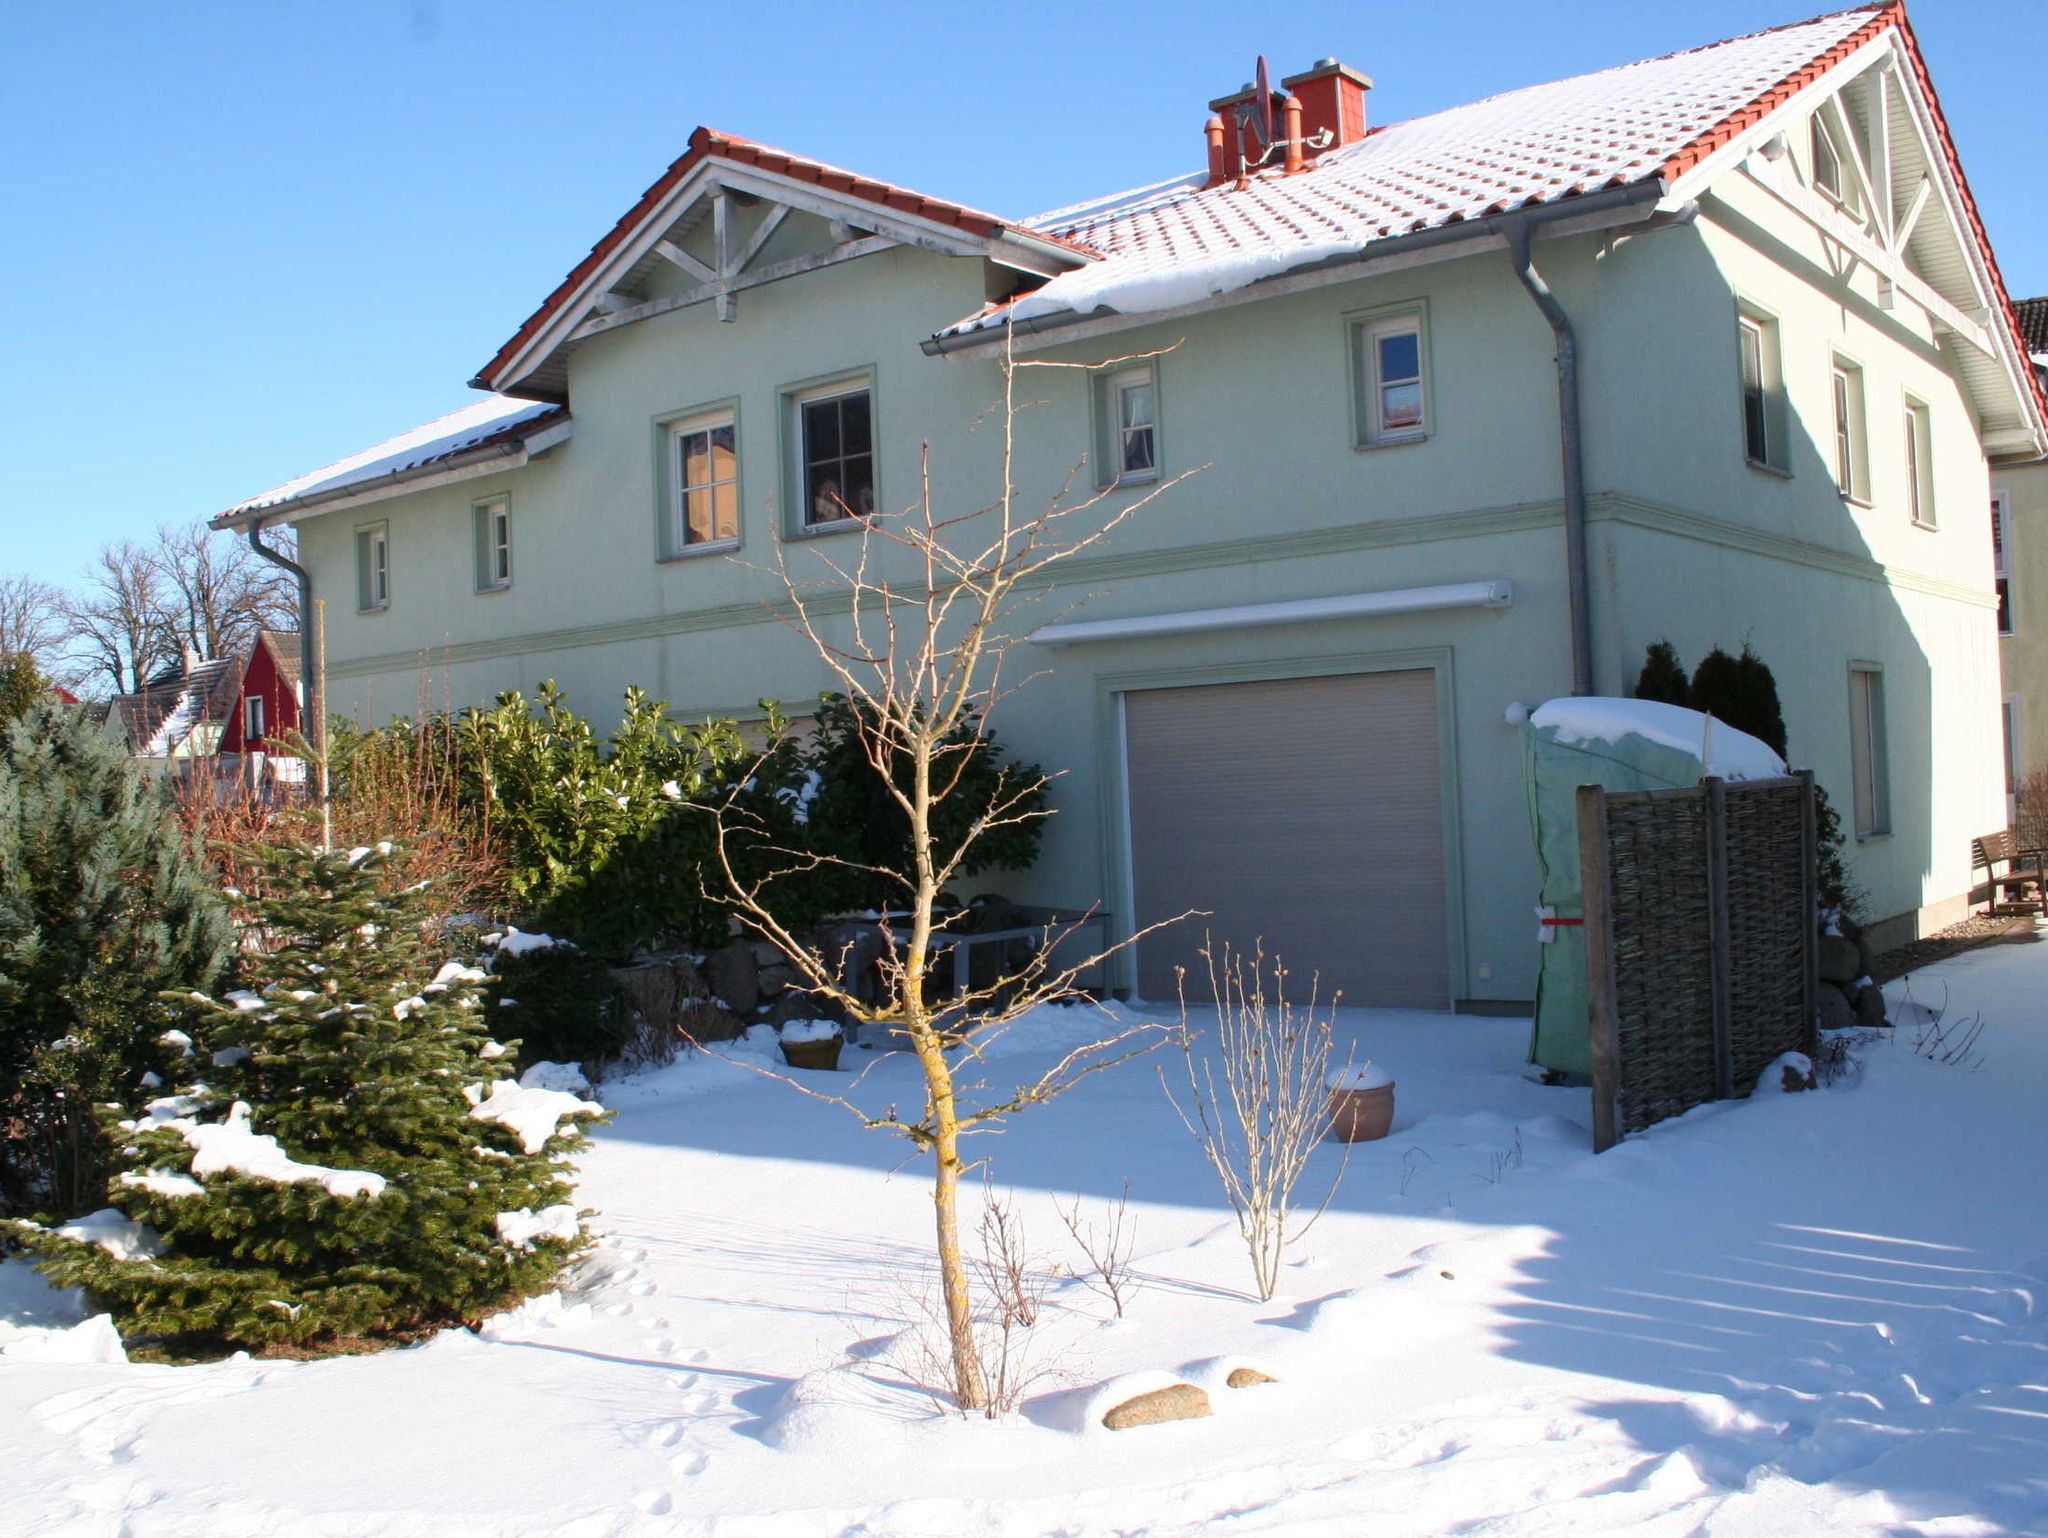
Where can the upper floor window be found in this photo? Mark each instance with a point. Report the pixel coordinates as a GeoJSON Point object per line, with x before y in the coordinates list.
{"type": "Point", "coordinates": [1918, 429]}
{"type": "Point", "coordinates": [704, 482]}
{"type": "Point", "coordinates": [1389, 359]}
{"type": "Point", "coordinates": [2001, 556]}
{"type": "Point", "coordinates": [1763, 428]}
{"type": "Point", "coordinates": [373, 568]}
{"type": "Point", "coordinates": [252, 718]}
{"type": "Point", "coordinates": [492, 528]}
{"type": "Point", "coordinates": [835, 453]}
{"type": "Point", "coordinates": [1127, 425]}
{"type": "Point", "coordinates": [1852, 473]}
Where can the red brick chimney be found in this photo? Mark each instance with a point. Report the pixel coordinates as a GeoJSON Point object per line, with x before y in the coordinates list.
{"type": "Point", "coordinates": [1332, 97]}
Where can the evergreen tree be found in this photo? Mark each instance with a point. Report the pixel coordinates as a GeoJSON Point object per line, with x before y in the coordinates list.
{"type": "Point", "coordinates": [22, 686]}
{"type": "Point", "coordinates": [1742, 692]}
{"type": "Point", "coordinates": [104, 905]}
{"type": "Point", "coordinates": [1663, 676]}
{"type": "Point", "coordinates": [346, 1156]}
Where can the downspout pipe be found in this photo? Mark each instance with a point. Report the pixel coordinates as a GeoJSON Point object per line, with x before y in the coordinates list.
{"type": "Point", "coordinates": [309, 640]}
{"type": "Point", "coordinates": [1571, 452]}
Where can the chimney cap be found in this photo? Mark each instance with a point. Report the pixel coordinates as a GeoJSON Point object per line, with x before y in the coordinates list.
{"type": "Point", "coordinates": [1324, 67]}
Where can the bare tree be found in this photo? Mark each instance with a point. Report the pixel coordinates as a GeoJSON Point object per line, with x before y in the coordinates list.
{"type": "Point", "coordinates": [1261, 1124]}
{"type": "Point", "coordinates": [119, 627]}
{"type": "Point", "coordinates": [219, 591]}
{"type": "Point", "coordinates": [916, 624]}
{"type": "Point", "coordinates": [31, 619]}
{"type": "Point", "coordinates": [1107, 1249]}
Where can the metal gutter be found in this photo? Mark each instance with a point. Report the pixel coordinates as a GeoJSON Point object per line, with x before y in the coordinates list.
{"type": "Point", "coordinates": [313, 715]}
{"type": "Point", "coordinates": [1494, 226]}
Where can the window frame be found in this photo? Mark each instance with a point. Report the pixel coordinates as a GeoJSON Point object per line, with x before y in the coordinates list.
{"type": "Point", "coordinates": [252, 719]}
{"type": "Point", "coordinates": [1771, 413]}
{"type": "Point", "coordinates": [2015, 743]}
{"type": "Point", "coordinates": [797, 522]}
{"type": "Point", "coordinates": [490, 518]}
{"type": "Point", "coordinates": [1917, 418]}
{"type": "Point", "coordinates": [373, 576]}
{"type": "Point", "coordinates": [672, 541]}
{"type": "Point", "coordinates": [1824, 136]}
{"type": "Point", "coordinates": [2001, 559]}
{"type": "Point", "coordinates": [1869, 753]}
{"type": "Point", "coordinates": [1111, 433]}
{"type": "Point", "coordinates": [1849, 411]}
{"type": "Point", "coordinates": [1364, 330]}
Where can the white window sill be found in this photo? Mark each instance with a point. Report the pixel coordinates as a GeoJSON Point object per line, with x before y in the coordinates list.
{"type": "Point", "coordinates": [697, 552]}
{"type": "Point", "coordinates": [1854, 500]}
{"type": "Point", "coordinates": [1874, 838]}
{"type": "Point", "coordinates": [1768, 469]}
{"type": "Point", "coordinates": [848, 525]}
{"type": "Point", "coordinates": [495, 587]}
{"type": "Point", "coordinates": [1923, 524]}
{"type": "Point", "coordinates": [1132, 481]}
{"type": "Point", "coordinates": [1390, 441]}
{"type": "Point", "coordinates": [375, 608]}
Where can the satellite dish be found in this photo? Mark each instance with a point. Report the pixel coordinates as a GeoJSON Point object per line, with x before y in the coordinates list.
{"type": "Point", "coordinates": [1262, 104]}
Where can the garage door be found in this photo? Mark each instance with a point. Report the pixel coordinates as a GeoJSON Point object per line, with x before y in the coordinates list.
{"type": "Point", "coordinates": [1308, 811]}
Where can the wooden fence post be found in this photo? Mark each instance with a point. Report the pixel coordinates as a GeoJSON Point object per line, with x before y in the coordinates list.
{"type": "Point", "coordinates": [1720, 965]}
{"type": "Point", "coordinates": [1597, 908]}
{"type": "Point", "coordinates": [1809, 908]}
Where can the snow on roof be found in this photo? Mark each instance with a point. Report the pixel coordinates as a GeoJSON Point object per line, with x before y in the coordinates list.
{"type": "Point", "coordinates": [1720, 748]}
{"type": "Point", "coordinates": [495, 417]}
{"type": "Point", "coordinates": [1176, 242]}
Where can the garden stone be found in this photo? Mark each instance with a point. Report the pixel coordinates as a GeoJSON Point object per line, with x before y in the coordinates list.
{"type": "Point", "coordinates": [735, 976]}
{"type": "Point", "coordinates": [1836, 1012]}
{"type": "Point", "coordinates": [1866, 956]}
{"type": "Point", "coordinates": [1870, 1007]}
{"type": "Point", "coordinates": [1179, 1402]}
{"type": "Point", "coordinates": [702, 1020]}
{"type": "Point", "coordinates": [776, 979]}
{"type": "Point", "coordinates": [1247, 1377]}
{"type": "Point", "coordinates": [1840, 960]}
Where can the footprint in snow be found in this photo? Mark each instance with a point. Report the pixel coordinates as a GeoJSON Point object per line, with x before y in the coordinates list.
{"type": "Point", "coordinates": [656, 1503]}
{"type": "Point", "coordinates": [665, 1433]}
{"type": "Point", "coordinates": [684, 1380]}
{"type": "Point", "coordinates": [698, 1403]}
{"type": "Point", "coordinates": [642, 1289]}
{"type": "Point", "coordinates": [690, 1462]}
{"type": "Point", "coordinates": [661, 1345]}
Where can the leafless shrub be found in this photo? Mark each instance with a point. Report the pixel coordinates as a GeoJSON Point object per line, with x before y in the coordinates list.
{"type": "Point", "coordinates": [1409, 1166]}
{"type": "Point", "coordinates": [1839, 1056]}
{"type": "Point", "coordinates": [1941, 1040]}
{"type": "Point", "coordinates": [2030, 821]}
{"type": "Point", "coordinates": [1500, 1163]}
{"type": "Point", "coordinates": [1107, 1249]}
{"type": "Point", "coordinates": [1260, 1125]}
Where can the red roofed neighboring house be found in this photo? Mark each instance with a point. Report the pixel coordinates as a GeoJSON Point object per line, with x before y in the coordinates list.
{"type": "Point", "coordinates": [176, 718]}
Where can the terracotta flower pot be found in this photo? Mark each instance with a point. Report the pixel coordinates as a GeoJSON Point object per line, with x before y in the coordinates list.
{"type": "Point", "coordinates": [813, 1054]}
{"type": "Point", "coordinates": [1361, 1115]}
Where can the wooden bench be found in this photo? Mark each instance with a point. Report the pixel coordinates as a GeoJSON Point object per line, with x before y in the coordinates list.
{"type": "Point", "coordinates": [2007, 889]}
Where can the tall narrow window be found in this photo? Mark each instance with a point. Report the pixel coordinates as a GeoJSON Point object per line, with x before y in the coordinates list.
{"type": "Point", "coordinates": [704, 476]}
{"type": "Point", "coordinates": [1850, 475]}
{"type": "Point", "coordinates": [1919, 464]}
{"type": "Point", "coordinates": [2009, 716]}
{"type": "Point", "coordinates": [252, 719]}
{"type": "Point", "coordinates": [2001, 557]}
{"type": "Point", "coordinates": [836, 447]}
{"type": "Point", "coordinates": [1136, 426]}
{"type": "Point", "coordinates": [1867, 751]}
{"type": "Point", "coordinates": [1756, 413]}
{"type": "Point", "coordinates": [493, 527]}
{"type": "Point", "coordinates": [1390, 365]}
{"type": "Point", "coordinates": [373, 568]}
{"type": "Point", "coordinates": [1827, 160]}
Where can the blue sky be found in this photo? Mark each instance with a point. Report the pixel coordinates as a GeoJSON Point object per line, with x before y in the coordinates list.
{"type": "Point", "coordinates": [241, 241]}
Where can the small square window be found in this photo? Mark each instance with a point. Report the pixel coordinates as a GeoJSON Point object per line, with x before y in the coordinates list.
{"type": "Point", "coordinates": [373, 568]}
{"type": "Point", "coordinates": [1919, 434]}
{"type": "Point", "coordinates": [1392, 385]}
{"type": "Point", "coordinates": [493, 531]}
{"type": "Point", "coordinates": [1867, 751]}
{"type": "Point", "coordinates": [835, 449]}
{"type": "Point", "coordinates": [704, 483]}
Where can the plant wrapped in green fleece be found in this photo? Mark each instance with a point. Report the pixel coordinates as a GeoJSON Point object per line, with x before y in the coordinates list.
{"type": "Point", "coordinates": [104, 904]}
{"type": "Point", "coordinates": [345, 1155]}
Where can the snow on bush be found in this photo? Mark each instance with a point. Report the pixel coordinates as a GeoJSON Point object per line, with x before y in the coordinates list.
{"type": "Point", "coordinates": [534, 1115]}
{"type": "Point", "coordinates": [233, 1147]}
{"type": "Point", "coordinates": [115, 1232]}
{"type": "Point", "coordinates": [522, 1226]}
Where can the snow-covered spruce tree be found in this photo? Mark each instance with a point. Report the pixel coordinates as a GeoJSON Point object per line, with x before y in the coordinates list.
{"type": "Point", "coordinates": [104, 904]}
{"type": "Point", "coordinates": [347, 1156]}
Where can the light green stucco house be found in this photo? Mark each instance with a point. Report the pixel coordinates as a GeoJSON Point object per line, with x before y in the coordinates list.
{"type": "Point", "coordinates": [1710, 348]}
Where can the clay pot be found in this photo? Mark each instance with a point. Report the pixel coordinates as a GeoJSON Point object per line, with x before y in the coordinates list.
{"type": "Point", "coordinates": [813, 1054]}
{"type": "Point", "coordinates": [1362, 1115]}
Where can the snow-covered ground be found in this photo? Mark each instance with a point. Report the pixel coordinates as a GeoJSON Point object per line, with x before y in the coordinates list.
{"type": "Point", "coordinates": [1805, 1314]}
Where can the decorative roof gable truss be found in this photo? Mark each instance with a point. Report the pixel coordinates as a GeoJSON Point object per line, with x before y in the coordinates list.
{"type": "Point", "coordinates": [1901, 209]}
{"type": "Point", "coordinates": [714, 235]}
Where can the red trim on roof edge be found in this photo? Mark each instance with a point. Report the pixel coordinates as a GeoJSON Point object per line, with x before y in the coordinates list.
{"type": "Point", "coordinates": [708, 143]}
{"type": "Point", "coordinates": [1890, 13]}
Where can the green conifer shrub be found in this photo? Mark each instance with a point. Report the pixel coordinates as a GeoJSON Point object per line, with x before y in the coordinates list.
{"type": "Point", "coordinates": [345, 1155]}
{"type": "Point", "coordinates": [22, 686]}
{"type": "Point", "coordinates": [1663, 676]}
{"type": "Point", "coordinates": [562, 1004]}
{"type": "Point", "coordinates": [104, 904]}
{"type": "Point", "coordinates": [1742, 692]}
